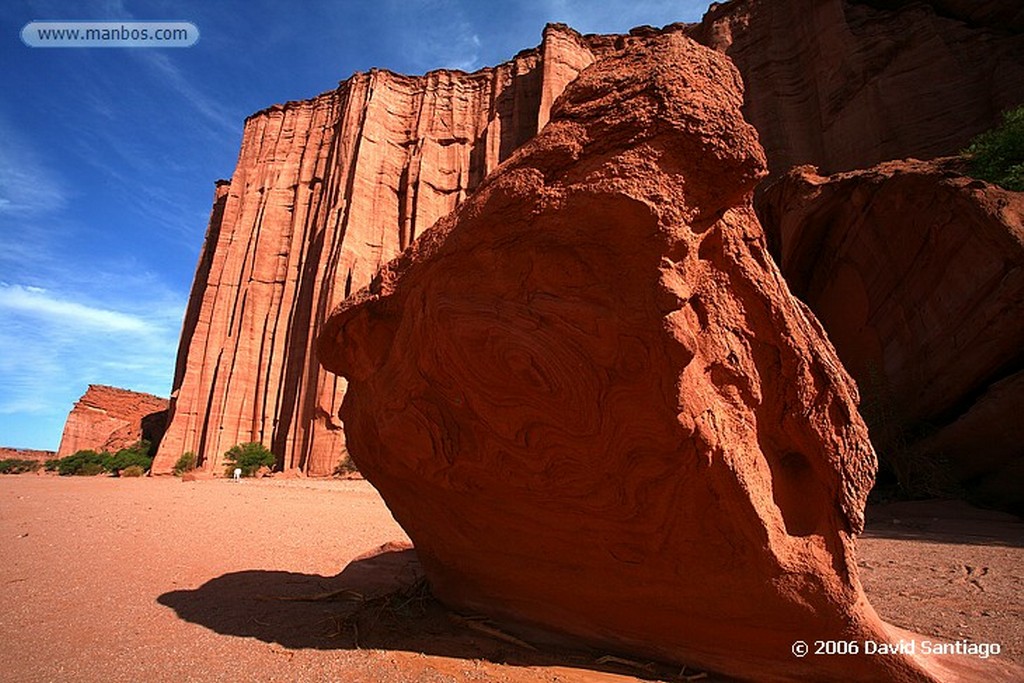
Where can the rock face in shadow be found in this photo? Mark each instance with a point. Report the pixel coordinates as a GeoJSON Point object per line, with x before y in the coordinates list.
{"type": "Point", "coordinates": [592, 403]}
{"type": "Point", "coordinates": [846, 84]}
{"type": "Point", "coordinates": [109, 419]}
{"type": "Point", "coordinates": [325, 192]}
{"type": "Point", "coordinates": [917, 273]}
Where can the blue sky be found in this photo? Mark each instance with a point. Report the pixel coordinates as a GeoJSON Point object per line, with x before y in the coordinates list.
{"type": "Point", "coordinates": [108, 157]}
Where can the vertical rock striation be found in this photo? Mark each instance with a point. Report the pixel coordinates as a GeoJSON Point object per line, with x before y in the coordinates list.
{"type": "Point", "coordinates": [109, 418]}
{"type": "Point", "coordinates": [325, 192]}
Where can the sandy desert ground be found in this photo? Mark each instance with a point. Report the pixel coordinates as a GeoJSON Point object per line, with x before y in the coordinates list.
{"type": "Point", "coordinates": [158, 580]}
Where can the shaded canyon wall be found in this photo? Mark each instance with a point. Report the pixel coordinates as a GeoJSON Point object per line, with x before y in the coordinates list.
{"type": "Point", "coordinates": [846, 84]}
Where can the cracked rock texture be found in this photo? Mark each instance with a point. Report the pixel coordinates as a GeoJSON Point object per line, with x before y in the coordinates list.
{"type": "Point", "coordinates": [109, 419]}
{"type": "Point", "coordinates": [592, 403]}
{"type": "Point", "coordinates": [917, 273]}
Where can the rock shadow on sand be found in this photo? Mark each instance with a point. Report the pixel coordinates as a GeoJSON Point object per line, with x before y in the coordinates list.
{"type": "Point", "coordinates": [380, 601]}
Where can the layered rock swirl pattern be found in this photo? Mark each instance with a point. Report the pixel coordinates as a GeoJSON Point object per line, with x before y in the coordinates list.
{"type": "Point", "coordinates": [592, 403]}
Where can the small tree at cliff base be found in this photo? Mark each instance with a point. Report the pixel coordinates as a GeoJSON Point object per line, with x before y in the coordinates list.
{"type": "Point", "coordinates": [186, 463]}
{"type": "Point", "coordinates": [248, 457]}
{"type": "Point", "coordinates": [136, 455]}
{"type": "Point", "coordinates": [998, 155]}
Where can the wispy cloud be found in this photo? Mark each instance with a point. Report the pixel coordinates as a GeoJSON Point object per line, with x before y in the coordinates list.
{"type": "Point", "coordinates": [27, 186]}
{"type": "Point", "coordinates": [210, 108]}
{"type": "Point", "coordinates": [37, 303]}
{"type": "Point", "coordinates": [435, 34]}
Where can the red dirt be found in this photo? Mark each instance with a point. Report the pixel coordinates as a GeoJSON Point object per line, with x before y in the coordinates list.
{"type": "Point", "coordinates": [112, 580]}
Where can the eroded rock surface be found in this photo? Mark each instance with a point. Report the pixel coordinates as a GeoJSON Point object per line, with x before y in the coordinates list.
{"type": "Point", "coordinates": [592, 403]}
{"type": "Point", "coordinates": [110, 418]}
{"type": "Point", "coordinates": [917, 273]}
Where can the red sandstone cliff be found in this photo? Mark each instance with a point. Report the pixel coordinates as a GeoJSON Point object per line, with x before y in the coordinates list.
{"type": "Point", "coordinates": [845, 84]}
{"type": "Point", "coordinates": [326, 191]}
{"type": "Point", "coordinates": [109, 418]}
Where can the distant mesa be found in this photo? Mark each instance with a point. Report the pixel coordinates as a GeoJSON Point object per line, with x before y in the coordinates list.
{"type": "Point", "coordinates": [26, 454]}
{"type": "Point", "coordinates": [108, 419]}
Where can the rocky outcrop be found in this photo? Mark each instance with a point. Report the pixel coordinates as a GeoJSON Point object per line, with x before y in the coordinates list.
{"type": "Point", "coordinates": [592, 403]}
{"type": "Point", "coordinates": [325, 192]}
{"type": "Point", "coordinates": [109, 418]}
{"type": "Point", "coordinates": [846, 84]}
{"type": "Point", "coordinates": [917, 273]}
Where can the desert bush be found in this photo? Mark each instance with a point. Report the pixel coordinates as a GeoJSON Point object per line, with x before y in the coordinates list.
{"type": "Point", "coordinates": [90, 469]}
{"type": "Point", "coordinates": [249, 457]}
{"type": "Point", "coordinates": [346, 466]}
{"type": "Point", "coordinates": [51, 464]}
{"type": "Point", "coordinates": [85, 462]}
{"type": "Point", "coordinates": [136, 455]}
{"type": "Point", "coordinates": [186, 463]}
{"type": "Point", "coordinates": [132, 471]}
{"type": "Point", "coordinates": [997, 155]}
{"type": "Point", "coordinates": [18, 466]}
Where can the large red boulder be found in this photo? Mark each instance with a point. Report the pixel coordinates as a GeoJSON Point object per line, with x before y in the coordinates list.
{"type": "Point", "coordinates": [592, 403]}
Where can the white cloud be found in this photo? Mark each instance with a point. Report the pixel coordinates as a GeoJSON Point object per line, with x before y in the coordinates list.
{"type": "Point", "coordinates": [37, 303]}
{"type": "Point", "coordinates": [435, 34]}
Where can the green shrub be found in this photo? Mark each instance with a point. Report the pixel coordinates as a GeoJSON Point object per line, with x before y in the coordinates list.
{"type": "Point", "coordinates": [997, 155]}
{"type": "Point", "coordinates": [18, 466]}
{"type": "Point", "coordinates": [186, 463]}
{"type": "Point", "coordinates": [90, 469]}
{"type": "Point", "coordinates": [136, 455]}
{"type": "Point", "coordinates": [132, 471]}
{"type": "Point", "coordinates": [51, 464]}
{"type": "Point", "coordinates": [249, 457]}
{"type": "Point", "coordinates": [88, 460]}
